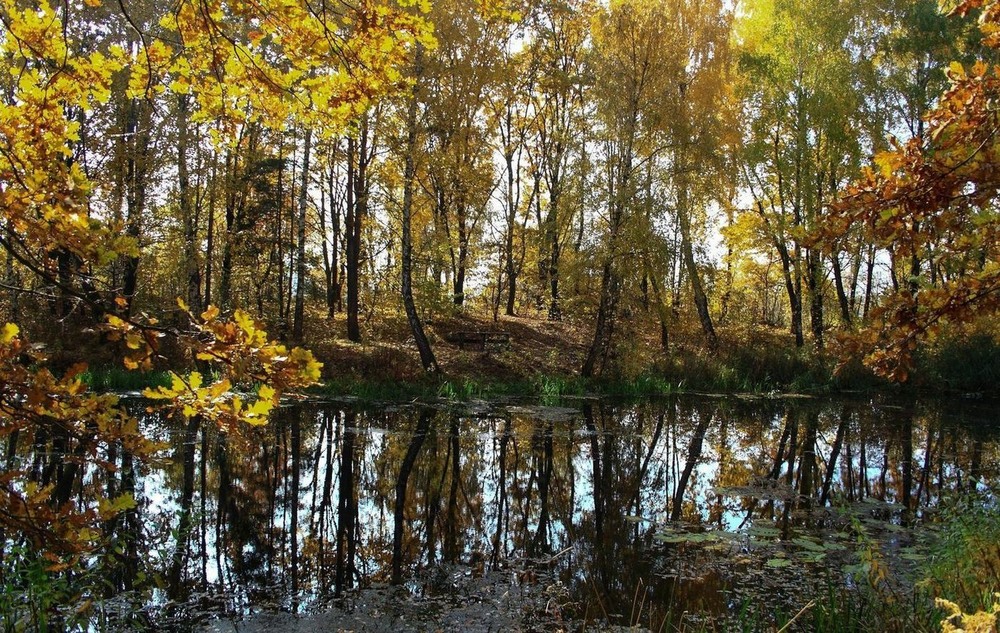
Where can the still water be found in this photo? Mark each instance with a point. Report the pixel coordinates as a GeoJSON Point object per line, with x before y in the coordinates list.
{"type": "Point", "coordinates": [499, 516]}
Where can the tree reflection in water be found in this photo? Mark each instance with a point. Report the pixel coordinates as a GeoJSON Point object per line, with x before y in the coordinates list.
{"type": "Point", "coordinates": [580, 506]}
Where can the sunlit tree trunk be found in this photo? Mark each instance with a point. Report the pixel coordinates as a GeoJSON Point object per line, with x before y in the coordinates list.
{"type": "Point", "coordinates": [694, 277]}
{"type": "Point", "coordinates": [298, 320]}
{"type": "Point", "coordinates": [188, 213]}
{"type": "Point", "coordinates": [427, 359]}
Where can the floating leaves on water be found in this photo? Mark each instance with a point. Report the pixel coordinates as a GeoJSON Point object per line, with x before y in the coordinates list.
{"type": "Point", "coordinates": [670, 536]}
{"type": "Point", "coordinates": [764, 532]}
{"type": "Point", "coordinates": [808, 544]}
{"type": "Point", "coordinates": [634, 519]}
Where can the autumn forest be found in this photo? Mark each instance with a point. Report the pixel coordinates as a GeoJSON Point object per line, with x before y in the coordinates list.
{"type": "Point", "coordinates": [236, 201]}
{"type": "Point", "coordinates": [638, 168]}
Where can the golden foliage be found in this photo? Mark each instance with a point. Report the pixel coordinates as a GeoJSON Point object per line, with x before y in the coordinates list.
{"type": "Point", "coordinates": [934, 198]}
{"type": "Point", "coordinates": [37, 408]}
{"type": "Point", "coordinates": [960, 622]}
{"type": "Point", "coordinates": [241, 355]}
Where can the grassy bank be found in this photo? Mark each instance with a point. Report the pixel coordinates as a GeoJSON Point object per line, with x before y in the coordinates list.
{"type": "Point", "coordinates": [543, 361]}
{"type": "Point", "coordinates": [120, 379]}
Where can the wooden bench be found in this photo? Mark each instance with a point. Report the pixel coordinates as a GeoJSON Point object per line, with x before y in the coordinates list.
{"type": "Point", "coordinates": [481, 340]}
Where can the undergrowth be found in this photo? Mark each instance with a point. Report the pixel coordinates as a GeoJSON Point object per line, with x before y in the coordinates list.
{"type": "Point", "coordinates": [118, 379]}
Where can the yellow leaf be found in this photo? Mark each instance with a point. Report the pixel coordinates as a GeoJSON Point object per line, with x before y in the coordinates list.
{"type": "Point", "coordinates": [245, 321]}
{"type": "Point", "coordinates": [8, 332]}
{"type": "Point", "coordinates": [133, 340]}
{"type": "Point", "coordinates": [267, 392]}
{"type": "Point", "coordinates": [195, 380]}
{"type": "Point", "coordinates": [220, 388]}
{"type": "Point", "coordinates": [177, 384]}
{"type": "Point", "coordinates": [260, 408]}
{"type": "Point", "coordinates": [210, 313]}
{"type": "Point", "coordinates": [261, 421]}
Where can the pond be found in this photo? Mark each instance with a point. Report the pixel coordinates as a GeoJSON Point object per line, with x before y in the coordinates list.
{"type": "Point", "coordinates": [507, 515]}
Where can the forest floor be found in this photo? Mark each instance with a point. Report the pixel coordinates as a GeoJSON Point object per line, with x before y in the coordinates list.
{"type": "Point", "coordinates": [544, 357]}
{"type": "Point", "coordinates": [387, 353]}
{"type": "Point", "coordinates": [533, 356]}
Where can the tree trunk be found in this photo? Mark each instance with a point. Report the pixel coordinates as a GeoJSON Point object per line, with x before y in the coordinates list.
{"type": "Point", "coordinates": [662, 312]}
{"type": "Point", "coordinates": [427, 359]}
{"type": "Point", "coordinates": [135, 143]}
{"type": "Point", "coordinates": [352, 246]}
{"type": "Point", "coordinates": [358, 158]}
{"type": "Point", "coordinates": [600, 350]}
{"type": "Point", "coordinates": [462, 262]}
{"type": "Point", "coordinates": [600, 347]}
{"type": "Point", "coordinates": [697, 289]}
{"type": "Point", "coordinates": [298, 320]}
{"type": "Point", "coordinates": [188, 218]}
{"type": "Point", "coordinates": [210, 231]}
{"type": "Point", "coordinates": [226, 271]}
{"type": "Point", "coordinates": [278, 252]}
{"type": "Point", "coordinates": [869, 282]}
{"type": "Point", "coordinates": [814, 276]}
{"type": "Point", "coordinates": [513, 198]}
{"type": "Point", "coordinates": [331, 249]}
{"type": "Point", "coordinates": [842, 298]}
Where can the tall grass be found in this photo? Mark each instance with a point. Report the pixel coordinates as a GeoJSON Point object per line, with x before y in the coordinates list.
{"type": "Point", "coordinates": [965, 563]}
{"type": "Point", "coordinates": [118, 379]}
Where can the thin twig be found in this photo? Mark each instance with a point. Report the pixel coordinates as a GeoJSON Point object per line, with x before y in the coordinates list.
{"type": "Point", "coordinates": [808, 606]}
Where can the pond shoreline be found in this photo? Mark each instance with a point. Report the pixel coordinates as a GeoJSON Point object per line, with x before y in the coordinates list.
{"type": "Point", "coordinates": [542, 387]}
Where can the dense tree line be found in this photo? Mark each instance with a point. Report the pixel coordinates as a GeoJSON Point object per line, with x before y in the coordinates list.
{"type": "Point", "coordinates": [546, 158]}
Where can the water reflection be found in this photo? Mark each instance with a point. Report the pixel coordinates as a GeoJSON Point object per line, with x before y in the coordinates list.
{"type": "Point", "coordinates": [584, 504]}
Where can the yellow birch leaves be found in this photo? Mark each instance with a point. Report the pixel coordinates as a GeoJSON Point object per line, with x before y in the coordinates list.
{"type": "Point", "coordinates": [241, 357]}
{"type": "Point", "coordinates": [280, 62]}
{"type": "Point", "coordinates": [44, 193]}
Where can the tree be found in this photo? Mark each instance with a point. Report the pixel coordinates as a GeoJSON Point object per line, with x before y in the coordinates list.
{"type": "Point", "coordinates": [58, 70]}
{"type": "Point", "coordinates": [460, 174]}
{"type": "Point", "coordinates": [934, 196]}
{"type": "Point", "coordinates": [659, 78]}
{"type": "Point", "coordinates": [427, 359]}
{"type": "Point", "coordinates": [558, 57]}
{"type": "Point", "coordinates": [510, 115]}
{"type": "Point", "coordinates": [694, 126]}
{"type": "Point", "coordinates": [633, 73]}
{"type": "Point", "coordinates": [800, 101]}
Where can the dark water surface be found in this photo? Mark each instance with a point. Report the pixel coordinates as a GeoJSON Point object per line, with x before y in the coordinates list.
{"type": "Point", "coordinates": [499, 516]}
